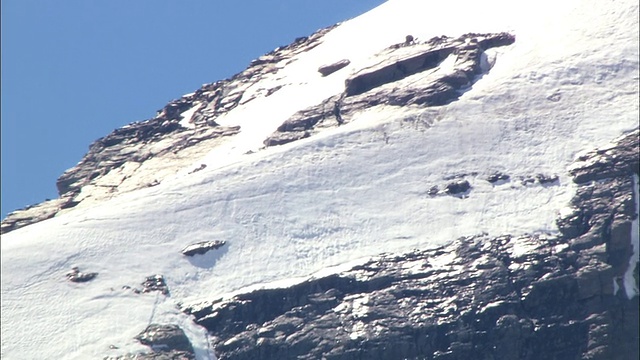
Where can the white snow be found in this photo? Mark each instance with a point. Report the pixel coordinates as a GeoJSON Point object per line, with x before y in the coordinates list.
{"type": "Point", "coordinates": [348, 193]}
{"type": "Point", "coordinates": [187, 115]}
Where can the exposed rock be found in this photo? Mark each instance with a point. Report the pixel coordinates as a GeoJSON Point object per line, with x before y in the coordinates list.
{"type": "Point", "coordinates": [327, 70]}
{"type": "Point", "coordinates": [76, 276]}
{"type": "Point", "coordinates": [165, 338]}
{"type": "Point", "coordinates": [541, 179]}
{"type": "Point", "coordinates": [165, 355]}
{"type": "Point", "coordinates": [199, 168]}
{"type": "Point", "coordinates": [616, 159]}
{"type": "Point", "coordinates": [124, 160]}
{"type": "Point", "coordinates": [458, 187]}
{"type": "Point", "coordinates": [33, 213]}
{"type": "Point", "coordinates": [384, 82]}
{"type": "Point", "coordinates": [155, 283]}
{"type": "Point", "coordinates": [168, 342]}
{"type": "Point", "coordinates": [202, 247]}
{"type": "Point", "coordinates": [526, 297]}
{"type": "Point", "coordinates": [497, 176]}
{"type": "Point", "coordinates": [547, 179]}
{"type": "Point", "coordinates": [409, 39]}
{"type": "Point", "coordinates": [488, 300]}
{"type": "Point", "coordinates": [467, 49]}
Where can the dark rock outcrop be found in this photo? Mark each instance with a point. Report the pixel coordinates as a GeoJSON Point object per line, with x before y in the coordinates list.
{"type": "Point", "coordinates": [202, 247]}
{"type": "Point", "coordinates": [165, 337]}
{"type": "Point", "coordinates": [617, 159]}
{"type": "Point", "coordinates": [382, 82]}
{"type": "Point", "coordinates": [155, 283]}
{"type": "Point", "coordinates": [168, 342]}
{"type": "Point", "coordinates": [76, 276]}
{"type": "Point", "coordinates": [530, 297]}
{"type": "Point", "coordinates": [458, 187]}
{"type": "Point", "coordinates": [497, 176]}
{"type": "Point", "coordinates": [165, 355]}
{"type": "Point", "coordinates": [151, 283]}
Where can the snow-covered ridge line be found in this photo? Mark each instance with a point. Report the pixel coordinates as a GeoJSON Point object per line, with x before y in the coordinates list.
{"type": "Point", "coordinates": [145, 153]}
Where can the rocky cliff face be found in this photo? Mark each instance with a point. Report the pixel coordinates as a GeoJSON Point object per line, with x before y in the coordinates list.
{"type": "Point", "coordinates": [142, 154]}
{"type": "Point", "coordinates": [572, 296]}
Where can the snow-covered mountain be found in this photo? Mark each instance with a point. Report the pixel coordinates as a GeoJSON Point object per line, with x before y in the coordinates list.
{"type": "Point", "coordinates": [488, 149]}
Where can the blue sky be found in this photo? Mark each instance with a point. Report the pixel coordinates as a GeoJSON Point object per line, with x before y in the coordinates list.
{"type": "Point", "coordinates": [75, 70]}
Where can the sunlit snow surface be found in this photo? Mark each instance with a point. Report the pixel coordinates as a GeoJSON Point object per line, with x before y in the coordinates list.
{"type": "Point", "coordinates": [570, 82]}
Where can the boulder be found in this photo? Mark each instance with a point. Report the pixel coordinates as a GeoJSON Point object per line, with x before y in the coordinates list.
{"type": "Point", "coordinates": [165, 338]}
{"type": "Point", "coordinates": [76, 276]}
{"type": "Point", "coordinates": [168, 342]}
{"type": "Point", "coordinates": [497, 176]}
{"type": "Point", "coordinates": [327, 70]}
{"type": "Point", "coordinates": [458, 187]}
{"type": "Point", "coordinates": [202, 247]}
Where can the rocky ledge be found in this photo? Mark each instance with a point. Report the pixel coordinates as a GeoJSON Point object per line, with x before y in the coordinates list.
{"type": "Point", "coordinates": [411, 73]}
{"type": "Point", "coordinates": [571, 295]}
{"type": "Point", "coordinates": [144, 153]}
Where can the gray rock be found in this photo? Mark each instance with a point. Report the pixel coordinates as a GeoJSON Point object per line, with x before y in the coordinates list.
{"type": "Point", "coordinates": [327, 70]}
{"type": "Point", "coordinates": [165, 355]}
{"type": "Point", "coordinates": [165, 338]}
{"type": "Point", "coordinates": [409, 39]}
{"type": "Point", "coordinates": [497, 176]}
{"type": "Point", "coordinates": [458, 187]}
{"type": "Point", "coordinates": [155, 283]}
{"type": "Point", "coordinates": [547, 179]}
{"type": "Point", "coordinates": [168, 342]}
{"type": "Point", "coordinates": [611, 161]}
{"type": "Point", "coordinates": [202, 247]}
{"type": "Point", "coordinates": [76, 276]}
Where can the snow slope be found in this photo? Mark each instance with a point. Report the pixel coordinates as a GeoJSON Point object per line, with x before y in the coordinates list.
{"type": "Point", "coordinates": [570, 82]}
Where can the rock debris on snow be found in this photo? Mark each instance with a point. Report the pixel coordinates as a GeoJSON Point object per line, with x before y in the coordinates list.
{"type": "Point", "coordinates": [76, 276]}
{"type": "Point", "coordinates": [202, 247]}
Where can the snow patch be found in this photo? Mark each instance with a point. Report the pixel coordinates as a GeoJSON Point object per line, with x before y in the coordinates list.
{"type": "Point", "coordinates": [187, 115]}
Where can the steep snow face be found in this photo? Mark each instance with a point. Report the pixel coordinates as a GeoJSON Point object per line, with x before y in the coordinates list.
{"type": "Point", "coordinates": [569, 82]}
